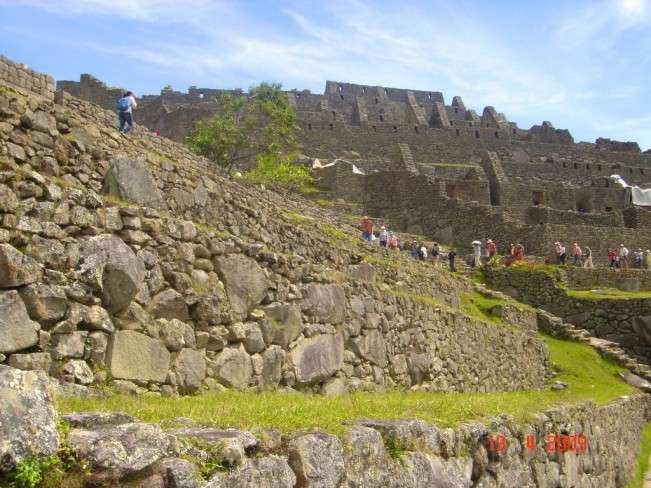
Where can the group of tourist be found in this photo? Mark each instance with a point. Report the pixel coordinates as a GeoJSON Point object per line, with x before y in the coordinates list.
{"type": "Point", "coordinates": [579, 256]}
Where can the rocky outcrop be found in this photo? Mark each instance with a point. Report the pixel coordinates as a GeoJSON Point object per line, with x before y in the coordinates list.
{"type": "Point", "coordinates": [27, 417]}
{"type": "Point", "coordinates": [129, 179]}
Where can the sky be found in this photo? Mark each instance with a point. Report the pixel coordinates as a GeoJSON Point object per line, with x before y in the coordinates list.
{"type": "Point", "coordinates": [583, 65]}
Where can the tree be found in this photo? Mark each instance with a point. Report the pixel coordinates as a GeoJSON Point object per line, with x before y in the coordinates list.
{"type": "Point", "coordinates": [247, 126]}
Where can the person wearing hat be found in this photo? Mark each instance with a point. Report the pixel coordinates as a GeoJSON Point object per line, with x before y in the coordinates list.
{"type": "Point", "coordinates": [392, 243]}
{"type": "Point", "coordinates": [384, 236]}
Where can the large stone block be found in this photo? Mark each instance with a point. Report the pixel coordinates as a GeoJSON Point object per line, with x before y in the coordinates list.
{"type": "Point", "coordinates": [190, 368]}
{"type": "Point", "coordinates": [17, 330]}
{"type": "Point", "coordinates": [267, 472]}
{"type": "Point", "coordinates": [284, 324]}
{"type": "Point", "coordinates": [112, 266]}
{"type": "Point", "coordinates": [135, 356]}
{"type": "Point", "coordinates": [372, 347]}
{"type": "Point", "coordinates": [27, 417]}
{"type": "Point", "coordinates": [318, 358]}
{"type": "Point", "coordinates": [246, 283]}
{"type": "Point", "coordinates": [16, 269]}
{"type": "Point", "coordinates": [45, 303]}
{"type": "Point", "coordinates": [317, 459]}
{"type": "Point", "coordinates": [169, 304]}
{"type": "Point", "coordinates": [325, 302]}
{"type": "Point", "coordinates": [129, 179]}
{"type": "Point", "coordinates": [233, 367]}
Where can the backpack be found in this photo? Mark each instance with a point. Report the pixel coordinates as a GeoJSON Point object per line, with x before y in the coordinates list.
{"type": "Point", "coordinates": [123, 104]}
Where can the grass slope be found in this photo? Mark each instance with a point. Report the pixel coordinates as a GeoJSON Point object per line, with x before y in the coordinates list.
{"type": "Point", "coordinates": [589, 376]}
{"type": "Point", "coordinates": [642, 459]}
{"type": "Point", "coordinates": [610, 293]}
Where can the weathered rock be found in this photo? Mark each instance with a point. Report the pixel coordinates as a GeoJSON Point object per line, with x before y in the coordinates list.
{"type": "Point", "coordinates": [111, 266]}
{"type": "Point", "coordinates": [17, 330]}
{"type": "Point", "coordinates": [169, 304]}
{"type": "Point", "coordinates": [642, 327]}
{"type": "Point", "coordinates": [284, 324]}
{"type": "Point", "coordinates": [318, 358]}
{"type": "Point", "coordinates": [246, 283]}
{"type": "Point", "coordinates": [45, 303]}
{"type": "Point", "coordinates": [233, 367]}
{"type": "Point", "coordinates": [365, 458]}
{"type": "Point", "coordinates": [272, 363]}
{"type": "Point", "coordinates": [363, 271]}
{"type": "Point", "coordinates": [325, 302]}
{"type": "Point", "coordinates": [267, 472]}
{"type": "Point", "coordinates": [179, 473]}
{"type": "Point", "coordinates": [317, 460]}
{"type": "Point", "coordinates": [212, 435]}
{"type": "Point", "coordinates": [27, 417]}
{"type": "Point", "coordinates": [135, 356]}
{"type": "Point", "coordinates": [69, 345]}
{"type": "Point", "coordinates": [190, 368]}
{"type": "Point", "coordinates": [92, 420]}
{"type": "Point", "coordinates": [115, 451]}
{"type": "Point", "coordinates": [31, 361]}
{"type": "Point", "coordinates": [176, 334]}
{"type": "Point", "coordinates": [372, 347]}
{"type": "Point", "coordinates": [77, 371]}
{"type": "Point", "coordinates": [636, 381]}
{"type": "Point", "coordinates": [17, 269]}
{"type": "Point", "coordinates": [129, 179]}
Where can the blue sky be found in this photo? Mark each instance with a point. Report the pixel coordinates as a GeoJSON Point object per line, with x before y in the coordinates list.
{"type": "Point", "coordinates": [585, 66]}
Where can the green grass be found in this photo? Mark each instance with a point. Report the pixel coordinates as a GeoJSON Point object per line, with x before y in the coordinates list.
{"type": "Point", "coordinates": [480, 307]}
{"type": "Point", "coordinates": [610, 293]}
{"type": "Point", "coordinates": [589, 376]}
{"type": "Point", "coordinates": [642, 459]}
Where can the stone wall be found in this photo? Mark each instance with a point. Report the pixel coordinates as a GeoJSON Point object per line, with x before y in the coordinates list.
{"type": "Point", "coordinates": [25, 80]}
{"type": "Point", "coordinates": [622, 279]}
{"type": "Point", "coordinates": [580, 446]}
{"type": "Point", "coordinates": [129, 258]}
{"type": "Point", "coordinates": [90, 88]}
{"type": "Point", "coordinates": [626, 322]}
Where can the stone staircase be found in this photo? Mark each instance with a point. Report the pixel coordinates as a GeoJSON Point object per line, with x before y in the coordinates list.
{"type": "Point", "coordinates": [407, 158]}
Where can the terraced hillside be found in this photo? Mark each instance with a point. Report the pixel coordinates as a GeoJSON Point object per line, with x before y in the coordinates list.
{"type": "Point", "coordinates": [132, 273]}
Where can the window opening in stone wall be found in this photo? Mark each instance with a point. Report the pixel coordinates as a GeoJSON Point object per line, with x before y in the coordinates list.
{"type": "Point", "coordinates": [641, 171]}
{"type": "Point", "coordinates": [332, 127]}
{"type": "Point", "coordinates": [607, 183]}
{"type": "Point", "coordinates": [457, 131]}
{"type": "Point", "coordinates": [630, 170]}
{"type": "Point", "coordinates": [599, 167]}
{"type": "Point", "coordinates": [416, 129]}
{"type": "Point", "coordinates": [381, 118]}
{"type": "Point", "coordinates": [564, 165]}
{"type": "Point", "coordinates": [376, 100]}
{"type": "Point", "coordinates": [309, 126]}
{"type": "Point", "coordinates": [469, 124]}
{"type": "Point", "coordinates": [395, 128]}
{"type": "Point", "coordinates": [374, 129]}
{"type": "Point", "coordinates": [497, 135]}
{"type": "Point", "coordinates": [609, 209]}
{"type": "Point", "coordinates": [538, 197]}
{"type": "Point", "coordinates": [576, 166]}
{"type": "Point", "coordinates": [515, 131]}
{"type": "Point", "coordinates": [456, 110]}
{"type": "Point", "coordinates": [334, 115]}
{"type": "Point", "coordinates": [342, 97]}
{"type": "Point", "coordinates": [587, 166]}
{"type": "Point", "coordinates": [477, 134]}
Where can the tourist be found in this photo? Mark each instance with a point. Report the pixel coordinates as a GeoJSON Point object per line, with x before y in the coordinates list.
{"type": "Point", "coordinates": [367, 228]}
{"type": "Point", "coordinates": [126, 104]}
{"type": "Point", "coordinates": [560, 252]}
{"type": "Point", "coordinates": [623, 256]}
{"type": "Point", "coordinates": [476, 253]}
{"type": "Point", "coordinates": [415, 250]}
{"type": "Point", "coordinates": [638, 257]}
{"type": "Point", "coordinates": [491, 248]}
{"type": "Point", "coordinates": [587, 261]}
{"type": "Point", "coordinates": [392, 243]}
{"type": "Point", "coordinates": [435, 254]}
{"type": "Point", "coordinates": [383, 236]}
{"type": "Point", "coordinates": [422, 252]}
{"type": "Point", "coordinates": [451, 255]}
{"type": "Point", "coordinates": [518, 253]}
{"type": "Point", "coordinates": [577, 254]}
{"type": "Point", "coordinates": [612, 258]}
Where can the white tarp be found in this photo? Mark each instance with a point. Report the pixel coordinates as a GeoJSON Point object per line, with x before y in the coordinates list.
{"type": "Point", "coordinates": [316, 164]}
{"type": "Point", "coordinates": [639, 196]}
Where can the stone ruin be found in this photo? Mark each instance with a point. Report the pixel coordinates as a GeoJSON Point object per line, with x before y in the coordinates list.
{"type": "Point", "coordinates": [437, 165]}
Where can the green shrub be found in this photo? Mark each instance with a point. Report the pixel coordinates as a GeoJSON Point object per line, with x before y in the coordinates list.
{"type": "Point", "coordinates": [273, 169]}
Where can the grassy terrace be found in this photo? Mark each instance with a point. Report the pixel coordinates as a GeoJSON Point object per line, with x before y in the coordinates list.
{"type": "Point", "coordinates": [610, 293]}
{"type": "Point", "coordinates": [589, 376]}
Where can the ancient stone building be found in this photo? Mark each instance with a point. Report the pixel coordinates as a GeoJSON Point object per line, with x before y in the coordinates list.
{"type": "Point", "coordinates": [449, 172]}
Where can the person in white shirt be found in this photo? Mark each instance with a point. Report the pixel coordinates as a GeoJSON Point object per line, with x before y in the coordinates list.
{"type": "Point", "coordinates": [126, 104]}
{"type": "Point", "coordinates": [623, 256]}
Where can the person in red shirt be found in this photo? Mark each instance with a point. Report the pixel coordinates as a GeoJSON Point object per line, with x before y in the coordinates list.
{"type": "Point", "coordinates": [367, 228]}
{"type": "Point", "coordinates": [612, 258]}
{"type": "Point", "coordinates": [491, 248]}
